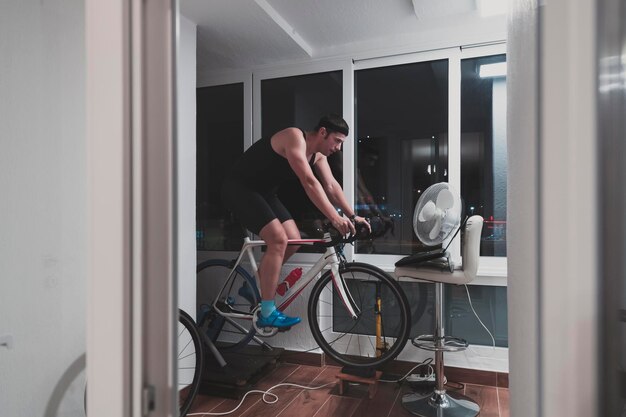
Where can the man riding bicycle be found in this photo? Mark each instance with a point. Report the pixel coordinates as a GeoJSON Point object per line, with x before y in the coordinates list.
{"type": "Point", "coordinates": [249, 191]}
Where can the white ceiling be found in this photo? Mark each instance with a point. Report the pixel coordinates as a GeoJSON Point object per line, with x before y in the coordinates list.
{"type": "Point", "coordinates": [237, 34]}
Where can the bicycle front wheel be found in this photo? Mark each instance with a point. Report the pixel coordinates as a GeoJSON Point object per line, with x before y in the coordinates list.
{"type": "Point", "coordinates": [381, 328]}
{"type": "Point", "coordinates": [190, 361]}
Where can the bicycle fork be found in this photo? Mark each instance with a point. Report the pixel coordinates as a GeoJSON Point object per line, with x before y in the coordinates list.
{"type": "Point", "coordinates": [342, 287]}
{"type": "Point", "coordinates": [345, 295]}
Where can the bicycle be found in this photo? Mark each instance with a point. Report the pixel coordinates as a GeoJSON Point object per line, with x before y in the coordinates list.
{"type": "Point", "coordinates": [190, 361]}
{"type": "Point", "coordinates": [357, 313]}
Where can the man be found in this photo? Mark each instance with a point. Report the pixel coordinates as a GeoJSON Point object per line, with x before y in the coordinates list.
{"type": "Point", "coordinates": [249, 191]}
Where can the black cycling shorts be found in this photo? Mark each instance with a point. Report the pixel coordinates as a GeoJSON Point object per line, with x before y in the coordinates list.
{"type": "Point", "coordinates": [253, 209]}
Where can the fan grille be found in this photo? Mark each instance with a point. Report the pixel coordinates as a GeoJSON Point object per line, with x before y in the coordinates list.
{"type": "Point", "coordinates": [449, 218]}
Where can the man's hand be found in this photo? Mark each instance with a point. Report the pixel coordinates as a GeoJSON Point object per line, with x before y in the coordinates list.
{"type": "Point", "coordinates": [363, 220]}
{"type": "Point", "coordinates": [342, 224]}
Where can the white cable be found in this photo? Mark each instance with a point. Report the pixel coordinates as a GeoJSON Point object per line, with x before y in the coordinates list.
{"type": "Point", "coordinates": [479, 320]}
{"type": "Point", "coordinates": [264, 400]}
{"type": "Point", "coordinates": [425, 362]}
{"type": "Point", "coordinates": [268, 392]}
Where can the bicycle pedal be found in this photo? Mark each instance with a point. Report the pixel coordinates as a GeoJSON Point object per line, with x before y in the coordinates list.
{"type": "Point", "coordinates": [284, 329]}
{"type": "Point", "coordinates": [267, 331]}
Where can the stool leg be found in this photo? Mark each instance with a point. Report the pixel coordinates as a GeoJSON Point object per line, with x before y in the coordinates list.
{"type": "Point", "coordinates": [440, 403]}
{"type": "Point", "coordinates": [439, 338]}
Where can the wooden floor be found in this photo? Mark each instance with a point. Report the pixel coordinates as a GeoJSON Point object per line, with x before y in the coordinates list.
{"type": "Point", "coordinates": [326, 402]}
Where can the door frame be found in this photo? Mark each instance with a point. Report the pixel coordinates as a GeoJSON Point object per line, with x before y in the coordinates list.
{"type": "Point", "coordinates": [131, 159]}
{"type": "Point", "coordinates": [553, 213]}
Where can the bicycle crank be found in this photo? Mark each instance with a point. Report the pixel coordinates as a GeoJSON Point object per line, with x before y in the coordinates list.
{"type": "Point", "coordinates": [263, 331]}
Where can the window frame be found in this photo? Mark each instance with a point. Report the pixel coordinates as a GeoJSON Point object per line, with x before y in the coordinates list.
{"type": "Point", "coordinates": [492, 270]}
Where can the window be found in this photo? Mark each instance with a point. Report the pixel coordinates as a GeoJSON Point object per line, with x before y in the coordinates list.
{"type": "Point", "coordinates": [219, 142]}
{"type": "Point", "coordinates": [483, 148]}
{"type": "Point", "coordinates": [402, 148]}
{"type": "Point", "coordinates": [300, 101]}
{"type": "Point", "coordinates": [402, 119]}
{"type": "Point", "coordinates": [418, 119]}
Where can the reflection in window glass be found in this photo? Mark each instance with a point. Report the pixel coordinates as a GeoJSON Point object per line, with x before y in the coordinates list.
{"type": "Point", "coordinates": [483, 149]}
{"type": "Point", "coordinates": [402, 148]}
{"type": "Point", "coordinates": [219, 142]}
{"type": "Point", "coordinates": [300, 102]}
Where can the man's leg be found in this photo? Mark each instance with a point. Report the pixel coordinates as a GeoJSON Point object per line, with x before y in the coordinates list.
{"type": "Point", "coordinates": [292, 233]}
{"type": "Point", "coordinates": [275, 237]}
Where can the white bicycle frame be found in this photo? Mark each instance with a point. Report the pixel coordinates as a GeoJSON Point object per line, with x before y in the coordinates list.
{"type": "Point", "coordinates": [328, 258]}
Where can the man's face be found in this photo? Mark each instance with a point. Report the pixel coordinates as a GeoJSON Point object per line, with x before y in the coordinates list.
{"type": "Point", "coordinates": [332, 141]}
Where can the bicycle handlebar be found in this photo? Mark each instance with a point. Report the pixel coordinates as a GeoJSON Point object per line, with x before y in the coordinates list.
{"type": "Point", "coordinates": [341, 239]}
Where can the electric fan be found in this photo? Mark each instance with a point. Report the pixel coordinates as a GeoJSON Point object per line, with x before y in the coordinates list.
{"type": "Point", "coordinates": [437, 215]}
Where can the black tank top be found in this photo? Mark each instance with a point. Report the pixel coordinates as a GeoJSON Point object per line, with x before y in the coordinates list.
{"type": "Point", "coordinates": [262, 169]}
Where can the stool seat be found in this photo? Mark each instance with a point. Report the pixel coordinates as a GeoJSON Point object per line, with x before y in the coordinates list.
{"type": "Point", "coordinates": [434, 270]}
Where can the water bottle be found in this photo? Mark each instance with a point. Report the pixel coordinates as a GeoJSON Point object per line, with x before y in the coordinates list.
{"type": "Point", "coordinates": [289, 281]}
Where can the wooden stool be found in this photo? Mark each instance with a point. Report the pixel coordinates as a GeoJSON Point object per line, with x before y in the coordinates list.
{"type": "Point", "coordinates": [371, 381]}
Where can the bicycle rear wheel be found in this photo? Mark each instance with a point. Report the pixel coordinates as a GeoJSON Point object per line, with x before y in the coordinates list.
{"type": "Point", "coordinates": [382, 327]}
{"type": "Point", "coordinates": [190, 361]}
{"type": "Point", "coordinates": [240, 295]}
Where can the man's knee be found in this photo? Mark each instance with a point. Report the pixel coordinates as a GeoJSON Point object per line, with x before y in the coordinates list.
{"type": "Point", "coordinates": [277, 241]}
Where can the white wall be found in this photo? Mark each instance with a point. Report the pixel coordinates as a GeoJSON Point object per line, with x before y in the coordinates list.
{"type": "Point", "coordinates": [43, 233]}
{"type": "Point", "coordinates": [186, 169]}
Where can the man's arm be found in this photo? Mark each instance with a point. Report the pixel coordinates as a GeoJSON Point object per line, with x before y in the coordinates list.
{"type": "Point", "coordinates": [334, 191]}
{"type": "Point", "coordinates": [294, 149]}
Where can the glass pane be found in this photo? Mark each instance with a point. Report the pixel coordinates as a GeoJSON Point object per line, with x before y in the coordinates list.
{"type": "Point", "coordinates": [43, 221]}
{"type": "Point", "coordinates": [483, 150]}
{"type": "Point", "coordinates": [301, 101]}
{"type": "Point", "coordinates": [219, 143]}
{"type": "Point", "coordinates": [402, 148]}
{"type": "Point", "coordinates": [490, 303]}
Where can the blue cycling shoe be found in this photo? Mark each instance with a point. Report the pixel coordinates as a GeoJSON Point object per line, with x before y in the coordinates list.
{"type": "Point", "coordinates": [277, 319]}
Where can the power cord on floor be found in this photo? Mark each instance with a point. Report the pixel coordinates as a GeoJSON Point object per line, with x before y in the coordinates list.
{"type": "Point", "coordinates": [265, 393]}
{"type": "Point", "coordinates": [406, 376]}
{"type": "Point", "coordinates": [409, 377]}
